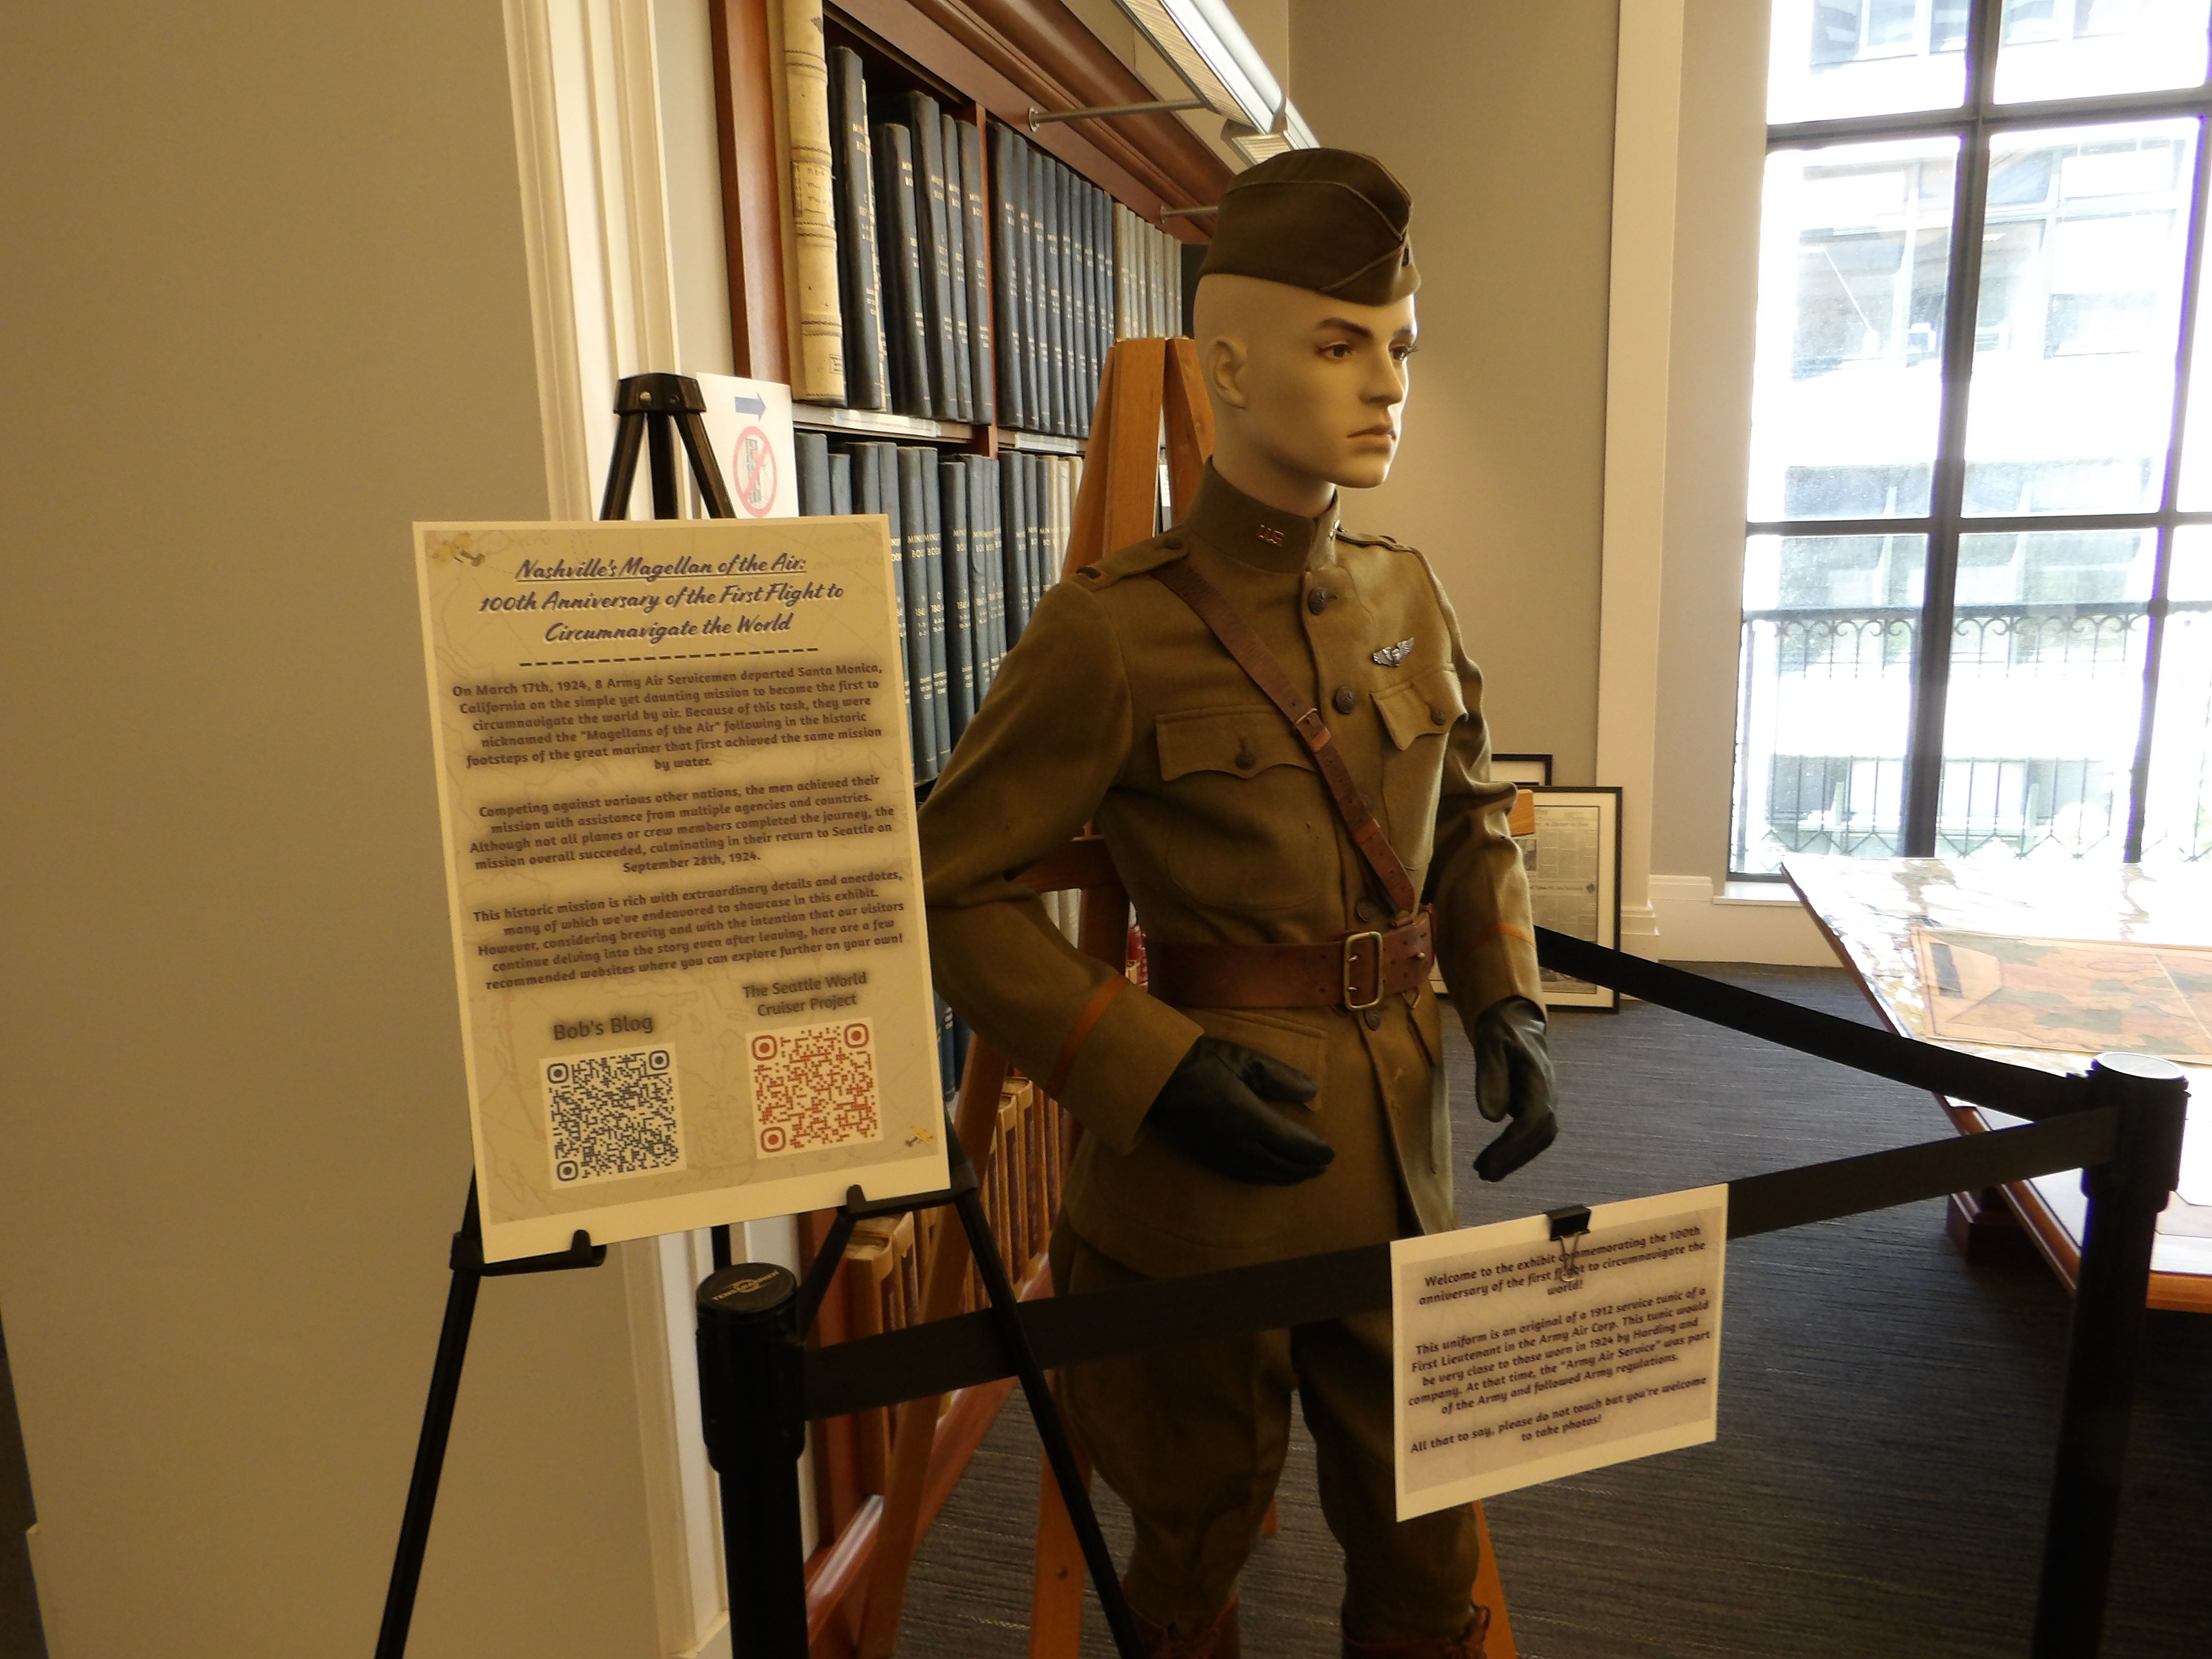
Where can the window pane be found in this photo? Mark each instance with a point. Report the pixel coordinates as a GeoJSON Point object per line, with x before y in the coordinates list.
{"type": "Point", "coordinates": [1829, 627]}
{"type": "Point", "coordinates": [2045, 697]}
{"type": "Point", "coordinates": [1831, 58]}
{"type": "Point", "coordinates": [2177, 809]}
{"type": "Point", "coordinates": [2085, 48]}
{"type": "Point", "coordinates": [2076, 324]}
{"type": "Point", "coordinates": [1855, 248]}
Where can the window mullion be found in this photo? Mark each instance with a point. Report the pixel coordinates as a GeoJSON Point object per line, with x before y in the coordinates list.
{"type": "Point", "coordinates": [1923, 754]}
{"type": "Point", "coordinates": [2169, 496]}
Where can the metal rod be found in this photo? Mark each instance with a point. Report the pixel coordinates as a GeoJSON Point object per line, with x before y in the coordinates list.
{"type": "Point", "coordinates": [1187, 213]}
{"type": "Point", "coordinates": [750, 1401]}
{"type": "Point", "coordinates": [430, 1448]}
{"type": "Point", "coordinates": [2104, 1350]}
{"type": "Point", "coordinates": [1039, 117]}
{"type": "Point", "coordinates": [1006, 1315]}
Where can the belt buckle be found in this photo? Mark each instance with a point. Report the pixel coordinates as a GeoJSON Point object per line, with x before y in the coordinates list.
{"type": "Point", "coordinates": [1350, 941]}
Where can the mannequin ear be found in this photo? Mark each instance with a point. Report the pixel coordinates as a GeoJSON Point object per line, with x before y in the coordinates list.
{"type": "Point", "coordinates": [1225, 361]}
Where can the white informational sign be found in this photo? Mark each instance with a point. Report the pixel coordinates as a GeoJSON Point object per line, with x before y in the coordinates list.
{"type": "Point", "coordinates": [749, 429]}
{"type": "Point", "coordinates": [674, 774]}
{"type": "Point", "coordinates": [1517, 1364]}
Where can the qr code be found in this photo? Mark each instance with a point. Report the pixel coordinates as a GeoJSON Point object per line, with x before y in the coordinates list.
{"type": "Point", "coordinates": [815, 1086]}
{"type": "Point", "coordinates": [613, 1115]}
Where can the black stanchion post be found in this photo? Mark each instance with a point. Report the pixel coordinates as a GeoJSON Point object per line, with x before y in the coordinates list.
{"type": "Point", "coordinates": [750, 1395]}
{"type": "Point", "coordinates": [2105, 1348]}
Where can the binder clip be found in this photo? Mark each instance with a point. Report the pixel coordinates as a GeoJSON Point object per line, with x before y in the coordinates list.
{"type": "Point", "coordinates": [1569, 1223]}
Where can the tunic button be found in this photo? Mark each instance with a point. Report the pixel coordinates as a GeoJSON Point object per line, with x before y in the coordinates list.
{"type": "Point", "coordinates": [1366, 910]}
{"type": "Point", "coordinates": [1435, 717]}
{"type": "Point", "coordinates": [1346, 700]}
{"type": "Point", "coordinates": [1246, 760]}
{"type": "Point", "coordinates": [1317, 601]}
{"type": "Point", "coordinates": [1373, 1019]}
{"type": "Point", "coordinates": [1173, 543]}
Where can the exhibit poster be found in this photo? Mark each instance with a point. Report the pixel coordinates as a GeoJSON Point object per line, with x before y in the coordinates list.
{"type": "Point", "coordinates": [749, 429]}
{"type": "Point", "coordinates": [674, 776]}
{"type": "Point", "coordinates": [1519, 1358]}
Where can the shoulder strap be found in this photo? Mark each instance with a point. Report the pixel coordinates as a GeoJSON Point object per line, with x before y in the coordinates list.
{"type": "Point", "coordinates": [1239, 639]}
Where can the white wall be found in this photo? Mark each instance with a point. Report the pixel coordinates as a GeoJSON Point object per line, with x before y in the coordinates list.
{"type": "Point", "coordinates": [1498, 118]}
{"type": "Point", "coordinates": [267, 305]}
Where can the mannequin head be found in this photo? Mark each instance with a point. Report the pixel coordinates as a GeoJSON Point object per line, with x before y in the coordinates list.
{"type": "Point", "coordinates": [1307, 387]}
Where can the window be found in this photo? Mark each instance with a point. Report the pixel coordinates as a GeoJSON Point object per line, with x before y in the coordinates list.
{"type": "Point", "coordinates": [1978, 571]}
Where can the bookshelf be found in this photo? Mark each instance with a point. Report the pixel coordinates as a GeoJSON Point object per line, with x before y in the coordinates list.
{"type": "Point", "coordinates": [997, 464]}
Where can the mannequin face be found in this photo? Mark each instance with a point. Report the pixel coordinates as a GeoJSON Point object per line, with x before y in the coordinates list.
{"type": "Point", "coordinates": [1307, 390]}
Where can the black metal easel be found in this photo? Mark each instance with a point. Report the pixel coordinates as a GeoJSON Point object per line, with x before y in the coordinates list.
{"type": "Point", "coordinates": [753, 1320]}
{"type": "Point", "coordinates": [649, 406]}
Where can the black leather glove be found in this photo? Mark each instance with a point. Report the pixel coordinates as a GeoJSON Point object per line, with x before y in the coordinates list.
{"type": "Point", "coordinates": [1213, 1110]}
{"type": "Point", "coordinates": [1513, 1078]}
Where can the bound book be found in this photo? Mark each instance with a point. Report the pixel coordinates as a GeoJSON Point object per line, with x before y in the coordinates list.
{"type": "Point", "coordinates": [926, 121]}
{"type": "Point", "coordinates": [840, 483]}
{"type": "Point", "coordinates": [959, 599]}
{"type": "Point", "coordinates": [875, 469]}
{"type": "Point", "coordinates": [853, 168]}
{"type": "Point", "coordinates": [979, 288]}
{"type": "Point", "coordinates": [940, 688]}
{"type": "Point", "coordinates": [905, 319]}
{"type": "Point", "coordinates": [1012, 558]}
{"type": "Point", "coordinates": [956, 225]}
{"type": "Point", "coordinates": [1006, 239]}
{"type": "Point", "coordinates": [813, 451]}
{"type": "Point", "coordinates": [914, 545]}
{"type": "Point", "coordinates": [818, 375]}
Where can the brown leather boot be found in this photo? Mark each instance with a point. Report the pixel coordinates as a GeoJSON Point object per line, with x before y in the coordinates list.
{"type": "Point", "coordinates": [1217, 1641]}
{"type": "Point", "coordinates": [1468, 1645]}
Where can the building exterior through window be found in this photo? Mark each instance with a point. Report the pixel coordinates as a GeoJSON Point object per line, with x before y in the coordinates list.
{"type": "Point", "coordinates": [1978, 575]}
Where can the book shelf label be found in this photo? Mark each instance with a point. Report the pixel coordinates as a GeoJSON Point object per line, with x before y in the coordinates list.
{"type": "Point", "coordinates": [677, 791]}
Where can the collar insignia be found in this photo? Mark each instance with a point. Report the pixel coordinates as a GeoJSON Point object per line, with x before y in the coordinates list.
{"type": "Point", "coordinates": [1391, 655]}
{"type": "Point", "coordinates": [1270, 534]}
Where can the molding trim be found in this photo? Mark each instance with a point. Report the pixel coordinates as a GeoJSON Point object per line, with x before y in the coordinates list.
{"type": "Point", "coordinates": [1647, 131]}
{"type": "Point", "coordinates": [545, 254]}
{"type": "Point", "coordinates": [1695, 924]}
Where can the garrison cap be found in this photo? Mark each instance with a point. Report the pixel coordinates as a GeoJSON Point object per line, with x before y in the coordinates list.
{"type": "Point", "coordinates": [1330, 220]}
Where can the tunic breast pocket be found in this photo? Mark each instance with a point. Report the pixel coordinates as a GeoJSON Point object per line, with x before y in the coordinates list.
{"type": "Point", "coordinates": [1252, 829]}
{"type": "Point", "coordinates": [1419, 714]}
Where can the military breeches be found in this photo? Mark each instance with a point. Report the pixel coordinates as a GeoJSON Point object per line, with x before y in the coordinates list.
{"type": "Point", "coordinates": [1193, 1438]}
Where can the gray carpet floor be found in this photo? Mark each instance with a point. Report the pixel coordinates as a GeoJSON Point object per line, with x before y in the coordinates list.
{"type": "Point", "coordinates": [1887, 1413]}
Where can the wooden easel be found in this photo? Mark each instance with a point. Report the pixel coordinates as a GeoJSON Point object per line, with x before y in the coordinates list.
{"type": "Point", "coordinates": [1149, 394]}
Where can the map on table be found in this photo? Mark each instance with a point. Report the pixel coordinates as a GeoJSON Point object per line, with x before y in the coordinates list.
{"type": "Point", "coordinates": [2071, 994]}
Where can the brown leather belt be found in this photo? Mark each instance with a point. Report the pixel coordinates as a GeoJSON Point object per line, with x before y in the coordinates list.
{"type": "Point", "coordinates": [1354, 972]}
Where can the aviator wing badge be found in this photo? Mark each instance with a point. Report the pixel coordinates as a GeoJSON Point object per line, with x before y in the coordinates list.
{"type": "Point", "coordinates": [1391, 655]}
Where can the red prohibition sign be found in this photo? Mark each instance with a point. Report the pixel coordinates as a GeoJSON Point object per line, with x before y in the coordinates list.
{"type": "Point", "coordinates": [752, 464]}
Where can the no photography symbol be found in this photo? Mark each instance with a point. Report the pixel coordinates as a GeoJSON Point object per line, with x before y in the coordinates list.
{"type": "Point", "coordinates": [752, 466]}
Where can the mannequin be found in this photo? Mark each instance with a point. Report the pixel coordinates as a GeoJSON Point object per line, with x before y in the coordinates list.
{"type": "Point", "coordinates": [1278, 1092]}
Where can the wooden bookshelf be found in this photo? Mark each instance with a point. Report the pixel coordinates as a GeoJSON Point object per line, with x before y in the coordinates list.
{"type": "Point", "coordinates": [980, 59]}
{"type": "Point", "coordinates": [873, 423]}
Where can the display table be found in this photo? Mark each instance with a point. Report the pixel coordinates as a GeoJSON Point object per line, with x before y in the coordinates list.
{"type": "Point", "coordinates": [2042, 965]}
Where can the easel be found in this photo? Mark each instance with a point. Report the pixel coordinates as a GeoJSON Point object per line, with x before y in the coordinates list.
{"type": "Point", "coordinates": [649, 406]}
{"type": "Point", "coordinates": [739, 1306]}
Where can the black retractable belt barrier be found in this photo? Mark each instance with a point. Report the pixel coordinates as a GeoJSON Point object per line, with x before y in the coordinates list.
{"type": "Point", "coordinates": [753, 1393]}
{"type": "Point", "coordinates": [2121, 1125]}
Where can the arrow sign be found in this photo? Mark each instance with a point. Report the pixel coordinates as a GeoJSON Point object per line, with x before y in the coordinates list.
{"type": "Point", "coordinates": [755, 406]}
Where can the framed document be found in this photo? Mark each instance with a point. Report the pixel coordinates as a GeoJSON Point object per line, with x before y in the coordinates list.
{"type": "Point", "coordinates": [1529, 771]}
{"type": "Point", "coordinates": [1574, 881]}
{"type": "Point", "coordinates": [678, 798]}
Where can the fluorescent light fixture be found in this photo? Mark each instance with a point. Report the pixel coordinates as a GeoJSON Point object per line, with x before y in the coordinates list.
{"type": "Point", "coordinates": [1211, 52]}
{"type": "Point", "coordinates": [1288, 130]}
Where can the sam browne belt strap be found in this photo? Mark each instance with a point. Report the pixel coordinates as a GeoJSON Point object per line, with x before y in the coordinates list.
{"type": "Point", "coordinates": [1355, 971]}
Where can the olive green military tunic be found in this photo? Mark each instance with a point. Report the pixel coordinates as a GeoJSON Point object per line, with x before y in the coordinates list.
{"type": "Point", "coordinates": [1118, 705]}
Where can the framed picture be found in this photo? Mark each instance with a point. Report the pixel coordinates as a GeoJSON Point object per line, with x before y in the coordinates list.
{"type": "Point", "coordinates": [1529, 771]}
{"type": "Point", "coordinates": [1574, 881]}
